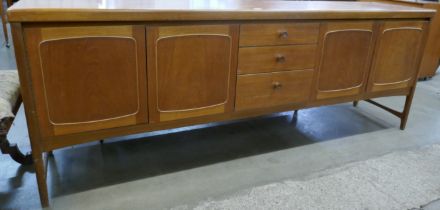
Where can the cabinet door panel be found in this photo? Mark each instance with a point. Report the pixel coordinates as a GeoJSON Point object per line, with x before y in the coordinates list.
{"type": "Point", "coordinates": [190, 80]}
{"type": "Point", "coordinates": [345, 58]}
{"type": "Point", "coordinates": [88, 78]}
{"type": "Point", "coordinates": [192, 70]}
{"type": "Point", "coordinates": [397, 55]}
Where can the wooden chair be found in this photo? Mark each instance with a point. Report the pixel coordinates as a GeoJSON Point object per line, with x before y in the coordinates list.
{"type": "Point", "coordinates": [10, 101]}
{"type": "Point", "coordinates": [3, 17]}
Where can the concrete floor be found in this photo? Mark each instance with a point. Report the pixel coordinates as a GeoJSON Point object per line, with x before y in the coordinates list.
{"type": "Point", "coordinates": [159, 170]}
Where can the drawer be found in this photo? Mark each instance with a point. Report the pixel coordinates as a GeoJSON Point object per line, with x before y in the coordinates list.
{"type": "Point", "coordinates": [278, 34]}
{"type": "Point", "coordinates": [272, 89]}
{"type": "Point", "coordinates": [276, 58]}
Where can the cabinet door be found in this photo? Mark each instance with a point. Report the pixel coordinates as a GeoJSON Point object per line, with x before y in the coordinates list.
{"type": "Point", "coordinates": [88, 78]}
{"type": "Point", "coordinates": [397, 56]}
{"type": "Point", "coordinates": [344, 59]}
{"type": "Point", "coordinates": [191, 70]}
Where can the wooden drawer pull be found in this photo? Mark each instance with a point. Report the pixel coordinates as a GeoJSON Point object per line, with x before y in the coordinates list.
{"type": "Point", "coordinates": [284, 35]}
{"type": "Point", "coordinates": [280, 58]}
{"type": "Point", "coordinates": [276, 85]}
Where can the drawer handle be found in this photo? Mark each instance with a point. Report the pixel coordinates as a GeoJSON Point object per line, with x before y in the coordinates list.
{"type": "Point", "coordinates": [276, 85]}
{"type": "Point", "coordinates": [284, 35]}
{"type": "Point", "coordinates": [280, 58]}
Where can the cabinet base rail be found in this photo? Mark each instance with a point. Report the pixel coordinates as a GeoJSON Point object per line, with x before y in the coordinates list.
{"type": "Point", "coordinates": [41, 161]}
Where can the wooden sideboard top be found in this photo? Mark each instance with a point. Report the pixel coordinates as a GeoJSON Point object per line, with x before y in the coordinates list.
{"type": "Point", "coordinates": [187, 10]}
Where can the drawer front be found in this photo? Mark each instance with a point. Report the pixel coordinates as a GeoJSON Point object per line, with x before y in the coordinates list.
{"type": "Point", "coordinates": [275, 58]}
{"type": "Point", "coordinates": [278, 34]}
{"type": "Point", "coordinates": [272, 89]}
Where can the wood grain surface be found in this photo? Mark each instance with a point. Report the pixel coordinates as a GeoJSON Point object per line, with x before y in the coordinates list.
{"type": "Point", "coordinates": [183, 10]}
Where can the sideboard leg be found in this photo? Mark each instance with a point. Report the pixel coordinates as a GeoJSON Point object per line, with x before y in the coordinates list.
{"type": "Point", "coordinates": [355, 103]}
{"type": "Point", "coordinates": [406, 109]}
{"type": "Point", "coordinates": [294, 118]}
{"type": "Point", "coordinates": [40, 171]}
{"type": "Point", "coordinates": [402, 115]}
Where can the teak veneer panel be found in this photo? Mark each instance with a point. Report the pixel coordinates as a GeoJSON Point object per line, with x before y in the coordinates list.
{"type": "Point", "coordinates": [76, 84]}
{"type": "Point", "coordinates": [88, 78]}
{"type": "Point", "coordinates": [345, 58]}
{"type": "Point", "coordinates": [192, 70]}
{"type": "Point", "coordinates": [397, 55]}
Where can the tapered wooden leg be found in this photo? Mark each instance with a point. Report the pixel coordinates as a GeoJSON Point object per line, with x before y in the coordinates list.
{"type": "Point", "coordinates": [355, 103]}
{"type": "Point", "coordinates": [40, 171]}
{"type": "Point", "coordinates": [402, 115]}
{"type": "Point", "coordinates": [294, 118]}
{"type": "Point", "coordinates": [406, 109]}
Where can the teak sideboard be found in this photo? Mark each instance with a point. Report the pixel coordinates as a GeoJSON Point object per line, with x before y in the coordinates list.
{"type": "Point", "coordinates": [93, 69]}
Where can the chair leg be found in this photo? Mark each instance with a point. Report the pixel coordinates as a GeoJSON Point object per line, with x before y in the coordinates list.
{"type": "Point", "coordinates": [14, 152]}
{"type": "Point", "coordinates": [5, 29]}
